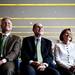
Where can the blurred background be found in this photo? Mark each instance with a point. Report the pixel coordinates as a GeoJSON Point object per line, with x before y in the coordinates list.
{"type": "Point", "coordinates": [55, 15]}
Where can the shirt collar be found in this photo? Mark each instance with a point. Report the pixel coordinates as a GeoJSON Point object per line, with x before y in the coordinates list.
{"type": "Point", "coordinates": [68, 43]}
{"type": "Point", "coordinates": [7, 34]}
{"type": "Point", "coordinates": [38, 38]}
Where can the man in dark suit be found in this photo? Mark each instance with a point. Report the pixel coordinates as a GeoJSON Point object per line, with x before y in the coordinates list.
{"type": "Point", "coordinates": [37, 55]}
{"type": "Point", "coordinates": [9, 48]}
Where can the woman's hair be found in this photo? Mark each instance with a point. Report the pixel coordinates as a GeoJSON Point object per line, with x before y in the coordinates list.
{"type": "Point", "coordinates": [63, 32]}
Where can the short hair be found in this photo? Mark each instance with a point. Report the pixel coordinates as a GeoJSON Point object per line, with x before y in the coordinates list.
{"type": "Point", "coordinates": [37, 24]}
{"type": "Point", "coordinates": [3, 19]}
{"type": "Point", "coordinates": [34, 25]}
{"type": "Point", "coordinates": [63, 32]}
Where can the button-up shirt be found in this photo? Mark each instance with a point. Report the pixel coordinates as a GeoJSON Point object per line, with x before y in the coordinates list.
{"type": "Point", "coordinates": [65, 54]}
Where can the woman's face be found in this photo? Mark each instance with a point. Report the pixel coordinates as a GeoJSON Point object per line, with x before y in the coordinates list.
{"type": "Point", "coordinates": [67, 36]}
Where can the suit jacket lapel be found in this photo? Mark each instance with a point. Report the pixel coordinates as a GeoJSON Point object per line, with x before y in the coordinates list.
{"type": "Point", "coordinates": [33, 47]}
{"type": "Point", "coordinates": [33, 43]}
{"type": "Point", "coordinates": [42, 45]}
{"type": "Point", "coordinates": [7, 45]}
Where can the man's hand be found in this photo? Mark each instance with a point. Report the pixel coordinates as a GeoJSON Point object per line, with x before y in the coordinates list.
{"type": "Point", "coordinates": [35, 64]}
{"type": "Point", "coordinates": [3, 61]}
{"type": "Point", "coordinates": [39, 66]}
{"type": "Point", "coordinates": [42, 67]}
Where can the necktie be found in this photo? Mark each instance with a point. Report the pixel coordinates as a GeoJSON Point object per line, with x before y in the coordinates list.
{"type": "Point", "coordinates": [38, 47]}
{"type": "Point", "coordinates": [2, 42]}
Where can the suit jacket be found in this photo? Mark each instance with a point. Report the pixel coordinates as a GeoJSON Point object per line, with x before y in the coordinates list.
{"type": "Point", "coordinates": [11, 47]}
{"type": "Point", "coordinates": [28, 50]}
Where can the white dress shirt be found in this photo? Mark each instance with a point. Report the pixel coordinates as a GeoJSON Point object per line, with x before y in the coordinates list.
{"type": "Point", "coordinates": [65, 54]}
{"type": "Point", "coordinates": [42, 58]}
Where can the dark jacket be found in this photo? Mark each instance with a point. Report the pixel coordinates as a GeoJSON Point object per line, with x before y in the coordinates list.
{"type": "Point", "coordinates": [28, 50]}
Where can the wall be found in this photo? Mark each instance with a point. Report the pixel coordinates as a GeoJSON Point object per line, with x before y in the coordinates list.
{"type": "Point", "coordinates": [54, 17]}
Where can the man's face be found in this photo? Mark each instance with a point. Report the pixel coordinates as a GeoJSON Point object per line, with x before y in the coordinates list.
{"type": "Point", "coordinates": [38, 30]}
{"type": "Point", "coordinates": [6, 25]}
